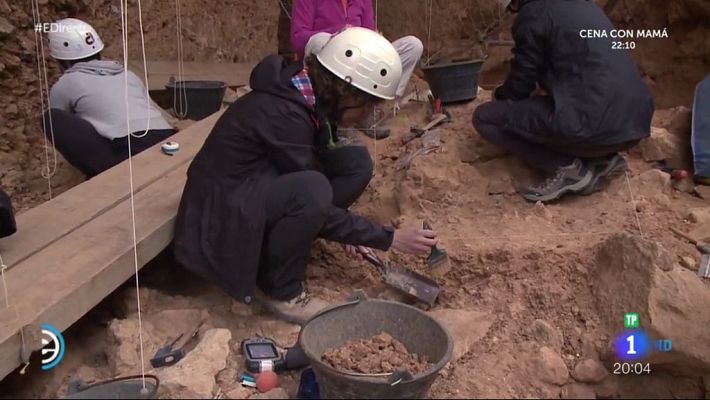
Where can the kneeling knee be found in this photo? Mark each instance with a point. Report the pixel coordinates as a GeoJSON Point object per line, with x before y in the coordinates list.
{"type": "Point", "coordinates": [316, 191]}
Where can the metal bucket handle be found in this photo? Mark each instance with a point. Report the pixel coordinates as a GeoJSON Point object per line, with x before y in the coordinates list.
{"type": "Point", "coordinates": [78, 386]}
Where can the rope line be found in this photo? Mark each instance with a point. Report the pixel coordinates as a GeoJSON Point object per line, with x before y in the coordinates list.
{"type": "Point", "coordinates": [179, 90]}
{"type": "Point", "coordinates": [145, 73]}
{"type": "Point", "coordinates": [633, 204]}
{"type": "Point", "coordinates": [47, 172]}
{"type": "Point", "coordinates": [124, 30]}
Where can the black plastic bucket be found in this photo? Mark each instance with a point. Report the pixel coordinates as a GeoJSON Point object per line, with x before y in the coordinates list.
{"type": "Point", "coordinates": [364, 318]}
{"type": "Point", "coordinates": [196, 100]}
{"type": "Point", "coordinates": [452, 82]}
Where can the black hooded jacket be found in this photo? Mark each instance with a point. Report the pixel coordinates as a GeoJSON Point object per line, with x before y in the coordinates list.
{"type": "Point", "coordinates": [598, 92]}
{"type": "Point", "coordinates": [269, 132]}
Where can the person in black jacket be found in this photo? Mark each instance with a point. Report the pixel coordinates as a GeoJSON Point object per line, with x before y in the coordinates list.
{"type": "Point", "coordinates": [7, 216]}
{"type": "Point", "coordinates": [594, 103]}
{"type": "Point", "coordinates": [270, 178]}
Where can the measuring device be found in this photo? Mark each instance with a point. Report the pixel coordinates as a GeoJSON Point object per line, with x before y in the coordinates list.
{"type": "Point", "coordinates": [170, 148]}
{"type": "Point", "coordinates": [261, 354]}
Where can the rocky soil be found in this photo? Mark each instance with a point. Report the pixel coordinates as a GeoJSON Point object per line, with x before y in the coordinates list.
{"type": "Point", "coordinates": [379, 354]}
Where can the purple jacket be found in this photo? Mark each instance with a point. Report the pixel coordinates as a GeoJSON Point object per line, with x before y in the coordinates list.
{"type": "Point", "coordinates": [309, 17]}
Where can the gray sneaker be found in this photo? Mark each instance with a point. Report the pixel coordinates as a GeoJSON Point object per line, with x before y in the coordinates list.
{"type": "Point", "coordinates": [572, 178]}
{"type": "Point", "coordinates": [297, 310]}
{"type": "Point", "coordinates": [605, 169]}
{"type": "Point", "coordinates": [369, 126]}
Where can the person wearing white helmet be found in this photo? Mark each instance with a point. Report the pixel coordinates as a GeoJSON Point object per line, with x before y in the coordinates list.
{"type": "Point", "coordinates": [272, 176]}
{"type": "Point", "coordinates": [87, 115]}
{"type": "Point", "coordinates": [314, 21]}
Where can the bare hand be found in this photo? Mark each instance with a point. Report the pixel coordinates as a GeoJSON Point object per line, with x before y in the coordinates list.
{"type": "Point", "coordinates": [414, 241]}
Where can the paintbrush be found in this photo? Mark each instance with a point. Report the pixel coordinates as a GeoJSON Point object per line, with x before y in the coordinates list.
{"type": "Point", "coordinates": [438, 260]}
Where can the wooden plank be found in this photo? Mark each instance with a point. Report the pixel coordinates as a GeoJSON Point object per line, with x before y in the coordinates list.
{"type": "Point", "coordinates": [41, 226]}
{"type": "Point", "coordinates": [159, 72]}
{"type": "Point", "coordinates": [65, 280]}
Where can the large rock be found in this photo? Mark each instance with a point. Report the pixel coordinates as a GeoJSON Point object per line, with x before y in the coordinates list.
{"type": "Point", "coordinates": [466, 328]}
{"type": "Point", "coordinates": [578, 391]}
{"type": "Point", "coordinates": [550, 367]}
{"type": "Point", "coordinates": [661, 145]}
{"type": "Point", "coordinates": [699, 215]}
{"type": "Point", "coordinates": [635, 275]}
{"type": "Point", "coordinates": [546, 335]}
{"type": "Point", "coordinates": [650, 184]}
{"type": "Point", "coordinates": [196, 372]}
{"type": "Point", "coordinates": [590, 371]}
{"type": "Point", "coordinates": [124, 344]}
{"type": "Point", "coordinates": [679, 122]}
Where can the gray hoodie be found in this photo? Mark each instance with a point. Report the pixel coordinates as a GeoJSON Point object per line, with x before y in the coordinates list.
{"type": "Point", "coordinates": [94, 91]}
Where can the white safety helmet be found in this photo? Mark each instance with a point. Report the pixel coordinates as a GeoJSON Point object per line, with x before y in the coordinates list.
{"type": "Point", "coordinates": [73, 39]}
{"type": "Point", "coordinates": [365, 59]}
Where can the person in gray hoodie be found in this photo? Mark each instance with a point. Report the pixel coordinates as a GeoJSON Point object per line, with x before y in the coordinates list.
{"type": "Point", "coordinates": [86, 119]}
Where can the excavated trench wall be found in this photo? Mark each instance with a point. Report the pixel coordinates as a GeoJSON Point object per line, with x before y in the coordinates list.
{"type": "Point", "coordinates": [243, 30]}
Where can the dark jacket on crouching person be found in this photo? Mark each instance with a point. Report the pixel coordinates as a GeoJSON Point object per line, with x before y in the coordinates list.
{"type": "Point", "coordinates": [267, 134]}
{"type": "Point", "coordinates": [599, 96]}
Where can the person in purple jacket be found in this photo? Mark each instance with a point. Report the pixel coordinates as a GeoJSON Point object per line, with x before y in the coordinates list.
{"type": "Point", "coordinates": [314, 21]}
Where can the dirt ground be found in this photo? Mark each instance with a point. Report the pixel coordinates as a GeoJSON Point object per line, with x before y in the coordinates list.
{"type": "Point", "coordinates": [526, 269]}
{"type": "Point", "coordinates": [522, 298]}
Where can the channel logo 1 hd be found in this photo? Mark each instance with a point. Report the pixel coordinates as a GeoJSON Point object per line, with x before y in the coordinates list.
{"type": "Point", "coordinates": [634, 343]}
{"type": "Point", "coordinates": [52, 347]}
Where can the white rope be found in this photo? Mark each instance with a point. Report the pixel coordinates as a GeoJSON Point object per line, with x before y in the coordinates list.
{"type": "Point", "coordinates": [145, 73]}
{"type": "Point", "coordinates": [49, 172]}
{"type": "Point", "coordinates": [3, 268]}
{"type": "Point", "coordinates": [124, 31]}
{"type": "Point", "coordinates": [179, 90]}
{"type": "Point", "coordinates": [633, 203]}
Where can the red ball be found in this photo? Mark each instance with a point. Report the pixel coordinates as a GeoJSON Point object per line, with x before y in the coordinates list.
{"type": "Point", "coordinates": [266, 381]}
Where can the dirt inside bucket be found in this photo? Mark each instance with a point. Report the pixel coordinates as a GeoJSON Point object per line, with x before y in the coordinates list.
{"type": "Point", "coordinates": [379, 354]}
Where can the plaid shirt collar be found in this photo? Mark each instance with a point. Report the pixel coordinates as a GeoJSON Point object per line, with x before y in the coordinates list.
{"type": "Point", "coordinates": [303, 83]}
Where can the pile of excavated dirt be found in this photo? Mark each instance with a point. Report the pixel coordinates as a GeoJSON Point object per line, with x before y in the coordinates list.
{"type": "Point", "coordinates": [379, 354]}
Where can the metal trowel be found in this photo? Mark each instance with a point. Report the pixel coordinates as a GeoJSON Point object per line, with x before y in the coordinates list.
{"type": "Point", "coordinates": [405, 280]}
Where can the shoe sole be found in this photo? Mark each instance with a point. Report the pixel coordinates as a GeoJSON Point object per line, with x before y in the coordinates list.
{"type": "Point", "coordinates": [576, 188]}
{"type": "Point", "coordinates": [611, 172]}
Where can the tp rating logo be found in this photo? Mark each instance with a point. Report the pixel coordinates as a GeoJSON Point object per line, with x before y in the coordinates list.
{"type": "Point", "coordinates": [631, 320]}
{"type": "Point", "coordinates": [53, 347]}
